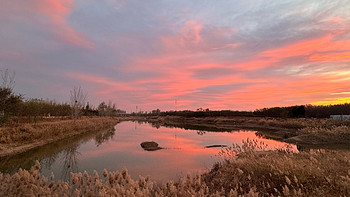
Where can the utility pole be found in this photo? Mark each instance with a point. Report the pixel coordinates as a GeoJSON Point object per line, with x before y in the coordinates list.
{"type": "Point", "coordinates": [175, 104]}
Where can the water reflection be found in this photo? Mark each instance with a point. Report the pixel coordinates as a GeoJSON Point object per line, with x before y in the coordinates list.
{"type": "Point", "coordinates": [183, 151]}
{"type": "Point", "coordinates": [70, 161]}
{"type": "Point", "coordinates": [63, 154]}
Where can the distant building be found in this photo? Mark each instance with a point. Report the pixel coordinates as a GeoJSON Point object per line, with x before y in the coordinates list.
{"type": "Point", "coordinates": [340, 117]}
{"type": "Point", "coordinates": [120, 112]}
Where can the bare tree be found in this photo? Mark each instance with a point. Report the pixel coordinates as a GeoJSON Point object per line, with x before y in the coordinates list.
{"type": "Point", "coordinates": [106, 110]}
{"type": "Point", "coordinates": [7, 80]}
{"type": "Point", "coordinates": [110, 108]}
{"type": "Point", "coordinates": [9, 102]}
{"type": "Point", "coordinates": [77, 101]}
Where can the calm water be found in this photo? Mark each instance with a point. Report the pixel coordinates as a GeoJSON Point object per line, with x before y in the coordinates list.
{"type": "Point", "coordinates": [184, 152]}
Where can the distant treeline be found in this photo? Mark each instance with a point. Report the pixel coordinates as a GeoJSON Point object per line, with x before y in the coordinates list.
{"type": "Point", "coordinates": [308, 111]}
{"type": "Point", "coordinates": [13, 105]}
{"type": "Point", "coordinates": [327, 110]}
{"type": "Point", "coordinates": [206, 113]}
{"type": "Point", "coordinates": [36, 109]}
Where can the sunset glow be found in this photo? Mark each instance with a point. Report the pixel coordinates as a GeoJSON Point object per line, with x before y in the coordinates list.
{"type": "Point", "coordinates": [237, 55]}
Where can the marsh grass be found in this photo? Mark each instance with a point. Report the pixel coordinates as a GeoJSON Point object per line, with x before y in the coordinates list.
{"type": "Point", "coordinates": [281, 173]}
{"type": "Point", "coordinates": [31, 183]}
{"type": "Point", "coordinates": [329, 130]}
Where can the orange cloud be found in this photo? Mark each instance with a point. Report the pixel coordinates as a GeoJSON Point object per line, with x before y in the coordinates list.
{"type": "Point", "coordinates": [330, 57]}
{"type": "Point", "coordinates": [279, 92]}
{"type": "Point", "coordinates": [306, 47]}
{"type": "Point", "coordinates": [332, 101]}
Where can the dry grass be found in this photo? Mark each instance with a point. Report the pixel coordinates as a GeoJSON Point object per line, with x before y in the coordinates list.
{"type": "Point", "coordinates": [31, 183]}
{"type": "Point", "coordinates": [35, 134]}
{"type": "Point", "coordinates": [282, 173]}
{"type": "Point", "coordinates": [327, 130]}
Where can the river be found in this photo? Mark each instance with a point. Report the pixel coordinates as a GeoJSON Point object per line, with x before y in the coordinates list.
{"type": "Point", "coordinates": [183, 151]}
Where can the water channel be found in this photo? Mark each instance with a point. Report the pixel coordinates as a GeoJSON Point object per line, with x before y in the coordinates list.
{"type": "Point", "coordinates": [184, 151]}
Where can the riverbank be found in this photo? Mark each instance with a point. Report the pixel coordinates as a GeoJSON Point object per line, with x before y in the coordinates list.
{"type": "Point", "coordinates": [301, 131]}
{"type": "Point", "coordinates": [278, 173]}
{"type": "Point", "coordinates": [19, 138]}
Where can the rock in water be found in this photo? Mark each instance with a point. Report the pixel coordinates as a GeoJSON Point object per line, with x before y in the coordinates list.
{"type": "Point", "coordinates": [150, 146]}
{"type": "Point", "coordinates": [216, 146]}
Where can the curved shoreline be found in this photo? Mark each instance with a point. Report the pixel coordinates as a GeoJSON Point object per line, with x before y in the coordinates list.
{"type": "Point", "coordinates": [48, 132]}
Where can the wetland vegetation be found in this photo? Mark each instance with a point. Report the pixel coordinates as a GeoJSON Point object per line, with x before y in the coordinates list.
{"type": "Point", "coordinates": [247, 169]}
{"type": "Point", "coordinates": [243, 172]}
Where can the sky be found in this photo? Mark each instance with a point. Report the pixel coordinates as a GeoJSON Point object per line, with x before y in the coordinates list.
{"type": "Point", "coordinates": [179, 54]}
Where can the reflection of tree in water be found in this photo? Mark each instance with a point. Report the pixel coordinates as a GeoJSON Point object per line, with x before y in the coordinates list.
{"type": "Point", "coordinates": [201, 128]}
{"type": "Point", "coordinates": [46, 155]}
{"type": "Point", "coordinates": [49, 154]}
{"type": "Point", "coordinates": [48, 161]}
{"type": "Point", "coordinates": [103, 137]}
{"type": "Point", "coordinates": [70, 161]}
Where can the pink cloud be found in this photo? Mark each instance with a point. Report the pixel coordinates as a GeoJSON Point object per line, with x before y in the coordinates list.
{"type": "Point", "coordinates": [336, 19]}
{"type": "Point", "coordinates": [331, 57]}
{"type": "Point", "coordinates": [305, 47]}
{"type": "Point", "coordinates": [188, 50]}
{"type": "Point", "coordinates": [232, 45]}
{"type": "Point", "coordinates": [191, 31]}
{"type": "Point", "coordinates": [104, 87]}
{"type": "Point", "coordinates": [37, 11]}
{"type": "Point", "coordinates": [323, 49]}
{"type": "Point", "coordinates": [58, 11]}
